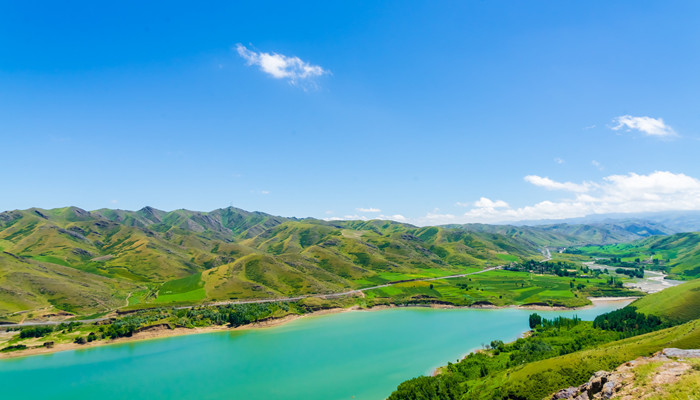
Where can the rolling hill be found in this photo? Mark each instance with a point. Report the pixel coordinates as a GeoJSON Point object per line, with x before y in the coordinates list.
{"type": "Point", "coordinates": [152, 256]}
{"type": "Point", "coordinates": [676, 304]}
{"type": "Point", "coordinates": [565, 234]}
{"type": "Point", "coordinates": [678, 254]}
{"type": "Point", "coordinates": [103, 259]}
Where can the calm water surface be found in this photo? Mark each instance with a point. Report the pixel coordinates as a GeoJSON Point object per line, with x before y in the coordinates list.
{"type": "Point", "coordinates": [354, 355]}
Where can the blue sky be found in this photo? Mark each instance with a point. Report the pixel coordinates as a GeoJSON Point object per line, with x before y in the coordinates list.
{"type": "Point", "coordinates": [426, 112]}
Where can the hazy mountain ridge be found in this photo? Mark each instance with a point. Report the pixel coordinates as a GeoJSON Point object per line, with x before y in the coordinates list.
{"type": "Point", "coordinates": [565, 234]}
{"type": "Point", "coordinates": [674, 221]}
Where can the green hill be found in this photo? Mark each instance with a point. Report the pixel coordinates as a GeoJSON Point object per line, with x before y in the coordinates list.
{"type": "Point", "coordinates": [182, 257]}
{"type": "Point", "coordinates": [678, 254]}
{"type": "Point", "coordinates": [564, 235]}
{"type": "Point", "coordinates": [158, 257]}
{"type": "Point", "coordinates": [676, 304]}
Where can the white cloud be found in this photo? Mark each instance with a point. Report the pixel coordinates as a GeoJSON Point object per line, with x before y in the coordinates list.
{"type": "Point", "coordinates": [647, 125]}
{"type": "Point", "coordinates": [370, 209]}
{"type": "Point", "coordinates": [658, 191]}
{"type": "Point", "coordinates": [280, 66]}
{"type": "Point", "coordinates": [554, 185]}
{"type": "Point", "coordinates": [559, 160]}
{"type": "Point", "coordinates": [597, 164]}
{"type": "Point", "coordinates": [395, 217]}
{"type": "Point", "coordinates": [488, 203]}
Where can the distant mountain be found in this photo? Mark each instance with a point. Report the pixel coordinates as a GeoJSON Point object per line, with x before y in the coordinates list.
{"type": "Point", "coordinates": [674, 221]}
{"type": "Point", "coordinates": [564, 234]}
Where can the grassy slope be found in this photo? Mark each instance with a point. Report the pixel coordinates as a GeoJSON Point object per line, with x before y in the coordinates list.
{"type": "Point", "coordinates": [231, 253]}
{"type": "Point", "coordinates": [563, 235]}
{"type": "Point", "coordinates": [679, 254]}
{"type": "Point", "coordinates": [30, 285]}
{"type": "Point", "coordinates": [676, 304]}
{"type": "Point", "coordinates": [538, 379]}
{"type": "Point", "coordinates": [234, 254]}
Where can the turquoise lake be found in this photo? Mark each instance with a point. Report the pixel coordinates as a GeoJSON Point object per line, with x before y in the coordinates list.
{"type": "Point", "coordinates": [353, 355]}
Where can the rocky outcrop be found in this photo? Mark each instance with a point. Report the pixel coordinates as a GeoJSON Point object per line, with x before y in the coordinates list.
{"type": "Point", "coordinates": [620, 384]}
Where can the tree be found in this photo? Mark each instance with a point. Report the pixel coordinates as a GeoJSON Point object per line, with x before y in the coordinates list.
{"type": "Point", "coordinates": [535, 320]}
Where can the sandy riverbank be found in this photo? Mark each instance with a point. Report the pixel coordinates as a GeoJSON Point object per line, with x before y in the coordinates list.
{"type": "Point", "coordinates": [165, 332]}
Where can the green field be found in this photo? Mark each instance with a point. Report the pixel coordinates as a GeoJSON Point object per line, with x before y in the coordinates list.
{"type": "Point", "coordinates": [498, 288]}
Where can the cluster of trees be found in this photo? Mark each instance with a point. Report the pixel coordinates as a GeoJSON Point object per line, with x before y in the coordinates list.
{"type": "Point", "coordinates": [536, 320]}
{"type": "Point", "coordinates": [241, 314]}
{"type": "Point", "coordinates": [617, 283]}
{"type": "Point", "coordinates": [631, 272]}
{"type": "Point", "coordinates": [617, 262]}
{"type": "Point", "coordinates": [13, 348]}
{"type": "Point", "coordinates": [35, 331]}
{"type": "Point", "coordinates": [547, 267]}
{"type": "Point", "coordinates": [629, 321]}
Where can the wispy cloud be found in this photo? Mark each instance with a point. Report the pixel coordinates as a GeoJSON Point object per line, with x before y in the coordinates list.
{"type": "Point", "coordinates": [370, 210]}
{"type": "Point", "coordinates": [279, 66]}
{"type": "Point", "coordinates": [647, 125]}
{"type": "Point", "coordinates": [559, 160]}
{"type": "Point", "coordinates": [597, 165]}
{"type": "Point", "coordinates": [550, 184]}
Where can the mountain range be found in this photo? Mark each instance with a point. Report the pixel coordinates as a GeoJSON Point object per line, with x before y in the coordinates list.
{"type": "Point", "coordinates": [90, 261]}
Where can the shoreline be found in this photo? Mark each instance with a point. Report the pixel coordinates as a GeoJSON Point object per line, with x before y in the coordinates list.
{"type": "Point", "coordinates": [274, 322]}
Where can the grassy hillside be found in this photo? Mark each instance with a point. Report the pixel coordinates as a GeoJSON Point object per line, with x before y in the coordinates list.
{"type": "Point", "coordinates": [676, 304]}
{"type": "Point", "coordinates": [564, 235]}
{"type": "Point", "coordinates": [678, 255]}
{"type": "Point", "coordinates": [157, 257]}
{"type": "Point", "coordinates": [538, 379]}
{"type": "Point", "coordinates": [27, 284]}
